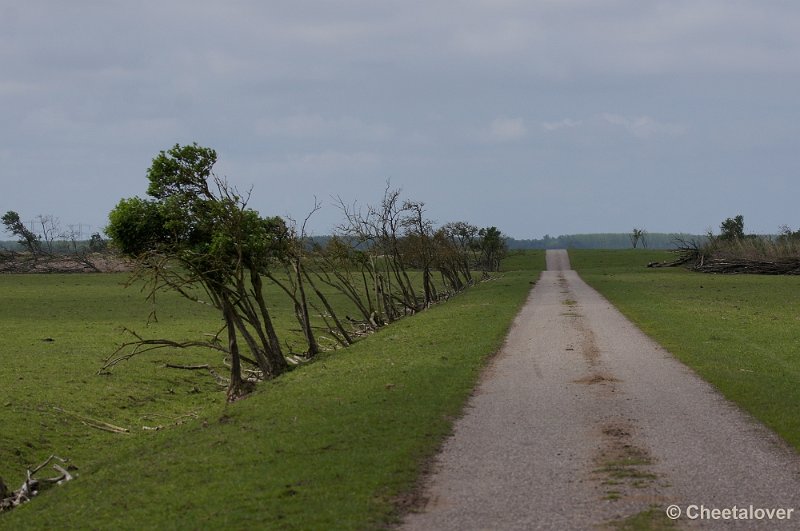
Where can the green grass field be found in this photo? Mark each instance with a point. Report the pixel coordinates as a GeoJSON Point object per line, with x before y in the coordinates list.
{"type": "Point", "coordinates": [335, 444]}
{"type": "Point", "coordinates": [739, 332]}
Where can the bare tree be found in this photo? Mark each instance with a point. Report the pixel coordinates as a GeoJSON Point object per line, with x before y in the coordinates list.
{"type": "Point", "coordinates": [50, 230]}
{"type": "Point", "coordinates": [419, 246]}
{"type": "Point", "coordinates": [293, 259]}
{"type": "Point", "coordinates": [638, 236]}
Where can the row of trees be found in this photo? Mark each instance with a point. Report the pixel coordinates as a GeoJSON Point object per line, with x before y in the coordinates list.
{"type": "Point", "coordinates": [196, 235]}
{"type": "Point", "coordinates": [49, 237]}
{"type": "Point", "coordinates": [50, 249]}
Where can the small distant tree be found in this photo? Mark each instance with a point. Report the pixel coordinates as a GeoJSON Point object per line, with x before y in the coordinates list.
{"type": "Point", "coordinates": [493, 248]}
{"type": "Point", "coordinates": [27, 238]}
{"type": "Point", "coordinates": [638, 236]}
{"type": "Point", "coordinates": [50, 229]}
{"type": "Point", "coordinates": [732, 229]}
{"type": "Point", "coordinates": [97, 244]}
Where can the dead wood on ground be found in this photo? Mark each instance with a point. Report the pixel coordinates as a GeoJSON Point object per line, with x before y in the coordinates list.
{"type": "Point", "coordinates": [32, 485]}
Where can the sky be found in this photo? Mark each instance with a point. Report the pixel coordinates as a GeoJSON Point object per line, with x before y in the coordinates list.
{"type": "Point", "coordinates": [535, 116]}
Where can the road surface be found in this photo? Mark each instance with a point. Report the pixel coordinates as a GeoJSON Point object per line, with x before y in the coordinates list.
{"type": "Point", "coordinates": [581, 420]}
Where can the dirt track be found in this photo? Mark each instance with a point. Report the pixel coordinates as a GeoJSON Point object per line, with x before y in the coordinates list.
{"type": "Point", "coordinates": [581, 420]}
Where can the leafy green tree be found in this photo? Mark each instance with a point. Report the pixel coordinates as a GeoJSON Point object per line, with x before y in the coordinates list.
{"type": "Point", "coordinates": [196, 231]}
{"type": "Point", "coordinates": [732, 229]}
{"type": "Point", "coordinates": [493, 248]}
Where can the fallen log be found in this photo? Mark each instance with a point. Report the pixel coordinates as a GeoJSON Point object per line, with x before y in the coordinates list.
{"type": "Point", "coordinates": [749, 266]}
{"type": "Point", "coordinates": [731, 265]}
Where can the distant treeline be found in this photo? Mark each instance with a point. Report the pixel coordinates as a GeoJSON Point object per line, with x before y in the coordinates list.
{"type": "Point", "coordinates": [655, 240]}
{"type": "Point", "coordinates": [55, 247]}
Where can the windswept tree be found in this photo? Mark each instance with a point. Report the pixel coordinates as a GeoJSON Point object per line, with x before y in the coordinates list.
{"type": "Point", "coordinates": [457, 253]}
{"type": "Point", "coordinates": [27, 238]}
{"type": "Point", "coordinates": [195, 231]}
{"type": "Point", "coordinates": [292, 258]}
{"type": "Point", "coordinates": [377, 233]}
{"type": "Point", "coordinates": [418, 246]}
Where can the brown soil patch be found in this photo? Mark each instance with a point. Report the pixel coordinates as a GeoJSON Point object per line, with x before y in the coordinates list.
{"type": "Point", "coordinates": [596, 378]}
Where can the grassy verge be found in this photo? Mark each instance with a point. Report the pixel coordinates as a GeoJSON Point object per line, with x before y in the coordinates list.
{"type": "Point", "coordinates": [332, 445]}
{"type": "Point", "coordinates": [739, 332]}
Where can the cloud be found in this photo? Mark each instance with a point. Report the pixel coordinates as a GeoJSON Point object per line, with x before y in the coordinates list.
{"type": "Point", "coordinates": [505, 130]}
{"type": "Point", "coordinates": [639, 126]}
{"type": "Point", "coordinates": [328, 162]}
{"type": "Point", "coordinates": [329, 92]}
{"type": "Point", "coordinates": [577, 38]}
{"type": "Point", "coordinates": [642, 126]}
{"type": "Point", "coordinates": [306, 126]}
{"type": "Point", "coordinates": [503, 37]}
{"type": "Point", "coordinates": [566, 123]}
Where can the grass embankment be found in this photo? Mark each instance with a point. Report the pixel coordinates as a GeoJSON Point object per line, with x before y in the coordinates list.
{"type": "Point", "coordinates": [739, 332]}
{"type": "Point", "coordinates": [332, 445]}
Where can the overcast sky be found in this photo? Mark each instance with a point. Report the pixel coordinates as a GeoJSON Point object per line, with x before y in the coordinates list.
{"type": "Point", "coordinates": [539, 117]}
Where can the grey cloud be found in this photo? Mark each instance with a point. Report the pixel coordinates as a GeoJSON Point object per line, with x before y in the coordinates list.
{"type": "Point", "coordinates": [533, 96]}
{"type": "Point", "coordinates": [315, 126]}
{"type": "Point", "coordinates": [566, 123]}
{"type": "Point", "coordinates": [500, 130]}
{"type": "Point", "coordinates": [642, 126]}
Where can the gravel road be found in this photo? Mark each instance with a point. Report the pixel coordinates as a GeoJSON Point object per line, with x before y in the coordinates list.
{"type": "Point", "coordinates": [581, 420]}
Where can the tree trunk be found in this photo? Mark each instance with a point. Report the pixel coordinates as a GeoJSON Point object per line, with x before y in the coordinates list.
{"type": "Point", "coordinates": [277, 362]}
{"type": "Point", "coordinates": [313, 348]}
{"type": "Point", "coordinates": [236, 386]}
{"type": "Point", "coordinates": [329, 308]}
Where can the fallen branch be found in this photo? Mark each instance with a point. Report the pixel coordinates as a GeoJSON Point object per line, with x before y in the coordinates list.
{"type": "Point", "coordinates": [33, 486]}
{"type": "Point", "coordinates": [142, 345]}
{"type": "Point", "coordinates": [177, 421]}
{"type": "Point", "coordinates": [205, 366]}
{"type": "Point", "coordinates": [93, 423]}
{"type": "Point", "coordinates": [188, 367]}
